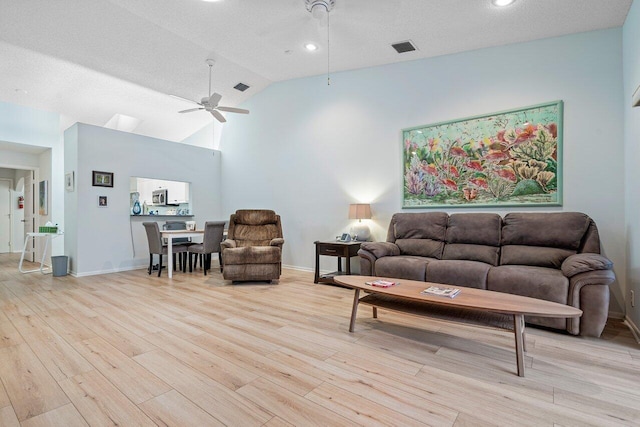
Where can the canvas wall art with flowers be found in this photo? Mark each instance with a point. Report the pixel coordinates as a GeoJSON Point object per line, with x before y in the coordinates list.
{"type": "Point", "coordinates": [510, 158]}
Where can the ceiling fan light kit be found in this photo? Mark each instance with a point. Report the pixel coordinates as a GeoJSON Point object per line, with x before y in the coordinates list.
{"type": "Point", "coordinates": [210, 103]}
{"type": "Point", "coordinates": [319, 8]}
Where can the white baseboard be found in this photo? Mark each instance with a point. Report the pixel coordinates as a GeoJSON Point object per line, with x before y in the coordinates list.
{"type": "Point", "coordinates": [634, 328]}
{"type": "Point", "coordinates": [295, 267]}
{"type": "Point", "coordinates": [113, 270]}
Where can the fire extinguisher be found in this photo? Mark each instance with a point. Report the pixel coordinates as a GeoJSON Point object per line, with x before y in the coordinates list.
{"type": "Point", "coordinates": [20, 202]}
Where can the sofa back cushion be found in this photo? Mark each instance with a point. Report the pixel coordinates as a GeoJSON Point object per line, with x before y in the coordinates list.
{"type": "Point", "coordinates": [473, 237]}
{"type": "Point", "coordinates": [419, 234]}
{"type": "Point", "coordinates": [542, 239]}
{"type": "Point", "coordinates": [254, 227]}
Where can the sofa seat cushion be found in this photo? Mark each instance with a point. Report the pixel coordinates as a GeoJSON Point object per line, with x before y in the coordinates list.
{"type": "Point", "coordinates": [534, 282]}
{"type": "Point", "coordinates": [252, 255]}
{"type": "Point", "coordinates": [403, 267]}
{"type": "Point", "coordinates": [471, 274]}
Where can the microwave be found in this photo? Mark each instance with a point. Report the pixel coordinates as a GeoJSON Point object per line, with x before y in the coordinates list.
{"type": "Point", "coordinates": [159, 197]}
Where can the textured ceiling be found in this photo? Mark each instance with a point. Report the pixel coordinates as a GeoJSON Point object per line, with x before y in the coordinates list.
{"type": "Point", "coordinates": [91, 59]}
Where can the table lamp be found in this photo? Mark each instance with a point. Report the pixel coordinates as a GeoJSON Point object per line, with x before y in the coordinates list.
{"type": "Point", "coordinates": [360, 211]}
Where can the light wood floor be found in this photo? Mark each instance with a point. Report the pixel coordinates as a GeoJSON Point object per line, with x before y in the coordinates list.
{"type": "Point", "coordinates": [131, 349]}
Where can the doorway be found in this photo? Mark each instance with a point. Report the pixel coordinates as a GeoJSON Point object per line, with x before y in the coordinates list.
{"type": "Point", "coordinates": [18, 215]}
{"type": "Point", "coordinates": [6, 229]}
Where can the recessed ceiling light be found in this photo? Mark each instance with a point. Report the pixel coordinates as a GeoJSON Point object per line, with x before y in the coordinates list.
{"type": "Point", "coordinates": [310, 47]}
{"type": "Point", "coordinates": [502, 3]}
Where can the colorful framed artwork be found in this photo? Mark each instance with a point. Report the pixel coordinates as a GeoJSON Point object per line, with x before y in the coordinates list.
{"type": "Point", "coordinates": [509, 158]}
{"type": "Point", "coordinates": [102, 179]}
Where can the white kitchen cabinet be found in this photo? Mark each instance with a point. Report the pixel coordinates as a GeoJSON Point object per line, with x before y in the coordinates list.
{"type": "Point", "coordinates": [177, 192]}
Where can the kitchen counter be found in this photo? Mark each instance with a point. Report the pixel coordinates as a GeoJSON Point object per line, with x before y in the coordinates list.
{"type": "Point", "coordinates": [154, 215]}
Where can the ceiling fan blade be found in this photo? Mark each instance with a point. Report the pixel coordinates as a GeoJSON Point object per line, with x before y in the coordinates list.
{"type": "Point", "coordinates": [233, 110]}
{"type": "Point", "coordinates": [184, 99]}
{"type": "Point", "coordinates": [214, 99]}
{"type": "Point", "coordinates": [191, 109]}
{"type": "Point", "coordinates": [218, 116]}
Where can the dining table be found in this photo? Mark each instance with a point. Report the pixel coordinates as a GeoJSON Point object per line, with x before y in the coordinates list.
{"type": "Point", "coordinates": [175, 234]}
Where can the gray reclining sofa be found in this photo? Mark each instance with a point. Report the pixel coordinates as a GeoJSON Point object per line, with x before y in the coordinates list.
{"type": "Point", "coordinates": [550, 256]}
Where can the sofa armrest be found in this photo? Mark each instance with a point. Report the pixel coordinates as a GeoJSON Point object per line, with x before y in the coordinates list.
{"type": "Point", "coordinates": [380, 249]}
{"type": "Point", "coordinates": [278, 241]}
{"type": "Point", "coordinates": [585, 262]}
{"type": "Point", "coordinates": [589, 291]}
{"type": "Point", "coordinates": [228, 244]}
{"type": "Point", "coordinates": [369, 252]}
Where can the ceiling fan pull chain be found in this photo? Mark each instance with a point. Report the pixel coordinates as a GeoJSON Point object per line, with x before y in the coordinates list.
{"type": "Point", "coordinates": [210, 66]}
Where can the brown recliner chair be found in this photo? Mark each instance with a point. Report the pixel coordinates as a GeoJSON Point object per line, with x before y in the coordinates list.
{"type": "Point", "coordinates": [253, 249]}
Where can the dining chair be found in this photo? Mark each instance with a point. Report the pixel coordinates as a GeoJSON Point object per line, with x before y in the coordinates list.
{"type": "Point", "coordinates": [154, 238]}
{"type": "Point", "coordinates": [213, 232]}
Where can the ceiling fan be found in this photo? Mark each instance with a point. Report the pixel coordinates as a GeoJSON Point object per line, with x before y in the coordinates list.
{"type": "Point", "coordinates": [210, 103]}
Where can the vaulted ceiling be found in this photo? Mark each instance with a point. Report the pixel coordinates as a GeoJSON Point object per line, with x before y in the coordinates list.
{"type": "Point", "coordinates": [91, 59]}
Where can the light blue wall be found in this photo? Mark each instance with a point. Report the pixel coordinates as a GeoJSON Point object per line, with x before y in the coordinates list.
{"type": "Point", "coordinates": [631, 60]}
{"type": "Point", "coordinates": [28, 126]}
{"type": "Point", "coordinates": [307, 150]}
{"type": "Point", "coordinates": [105, 240]}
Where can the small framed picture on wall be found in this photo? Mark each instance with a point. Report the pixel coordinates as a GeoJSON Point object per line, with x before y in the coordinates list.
{"type": "Point", "coordinates": [102, 179]}
{"type": "Point", "coordinates": [102, 201]}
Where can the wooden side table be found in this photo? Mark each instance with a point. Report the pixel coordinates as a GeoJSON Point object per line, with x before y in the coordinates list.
{"type": "Point", "coordinates": [337, 249]}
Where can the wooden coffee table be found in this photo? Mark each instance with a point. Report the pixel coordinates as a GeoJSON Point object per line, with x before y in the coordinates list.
{"type": "Point", "coordinates": [475, 306]}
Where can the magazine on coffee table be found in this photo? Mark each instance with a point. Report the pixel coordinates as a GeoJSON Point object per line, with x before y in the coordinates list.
{"type": "Point", "coordinates": [382, 283]}
{"type": "Point", "coordinates": [440, 291]}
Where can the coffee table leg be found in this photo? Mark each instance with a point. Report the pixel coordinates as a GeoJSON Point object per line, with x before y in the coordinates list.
{"type": "Point", "coordinates": [354, 311]}
{"type": "Point", "coordinates": [524, 336]}
{"type": "Point", "coordinates": [518, 320]}
{"type": "Point", "coordinates": [375, 312]}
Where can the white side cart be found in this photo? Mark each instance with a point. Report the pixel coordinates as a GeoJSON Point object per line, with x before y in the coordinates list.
{"type": "Point", "coordinates": [47, 237]}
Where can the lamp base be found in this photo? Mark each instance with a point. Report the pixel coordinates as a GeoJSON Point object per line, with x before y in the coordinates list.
{"type": "Point", "coordinates": [361, 232]}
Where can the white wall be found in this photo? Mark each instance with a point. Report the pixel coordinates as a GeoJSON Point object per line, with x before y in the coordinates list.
{"type": "Point", "coordinates": [99, 240]}
{"type": "Point", "coordinates": [631, 60]}
{"type": "Point", "coordinates": [308, 150]}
